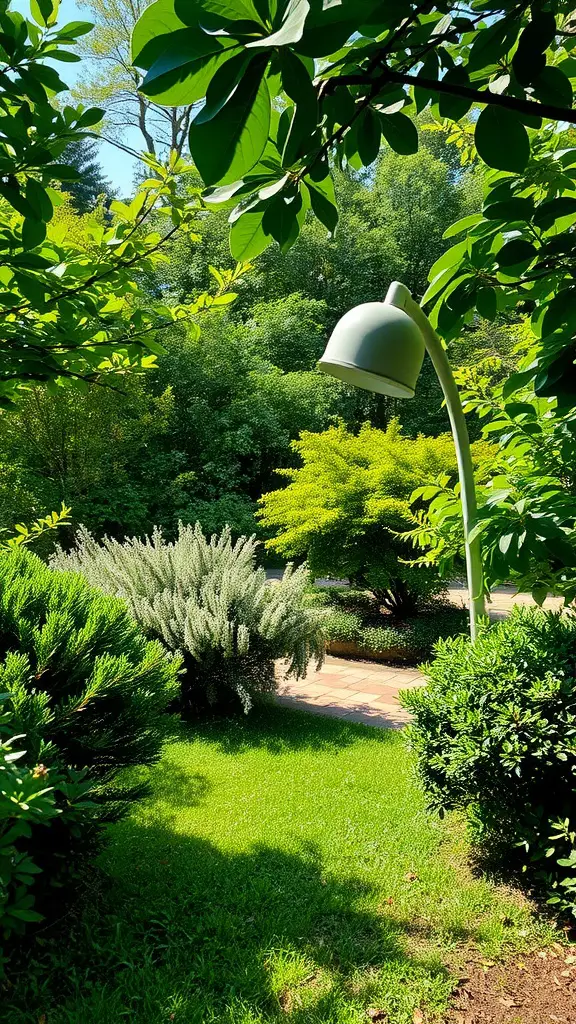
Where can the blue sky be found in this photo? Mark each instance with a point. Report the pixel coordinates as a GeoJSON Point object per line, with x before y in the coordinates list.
{"type": "Point", "coordinates": [118, 166]}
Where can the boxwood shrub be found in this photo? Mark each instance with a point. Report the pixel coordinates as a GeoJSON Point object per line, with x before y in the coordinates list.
{"type": "Point", "coordinates": [495, 734]}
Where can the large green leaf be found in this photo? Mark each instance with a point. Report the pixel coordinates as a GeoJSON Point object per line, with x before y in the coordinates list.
{"type": "Point", "coordinates": [39, 200]}
{"type": "Point", "coordinates": [450, 258]}
{"type": "Point", "coordinates": [462, 225]}
{"type": "Point", "coordinates": [491, 43]}
{"type": "Point", "coordinates": [281, 219]}
{"type": "Point", "coordinates": [486, 303]}
{"type": "Point", "coordinates": [247, 236]}
{"type": "Point", "coordinates": [237, 17]}
{"type": "Point", "coordinates": [223, 85]}
{"type": "Point", "coordinates": [151, 33]}
{"type": "Point", "coordinates": [547, 213]}
{"type": "Point", "coordinates": [515, 252]}
{"type": "Point", "coordinates": [291, 26]}
{"type": "Point", "coordinates": [183, 71]}
{"type": "Point", "coordinates": [428, 70]}
{"type": "Point", "coordinates": [328, 28]}
{"type": "Point", "coordinates": [44, 12]}
{"type": "Point", "coordinates": [552, 86]}
{"type": "Point", "coordinates": [225, 148]}
{"type": "Point", "coordinates": [298, 86]}
{"type": "Point", "coordinates": [502, 140]}
{"type": "Point", "coordinates": [561, 312]}
{"type": "Point", "coordinates": [400, 133]}
{"type": "Point", "coordinates": [230, 10]}
{"type": "Point", "coordinates": [516, 208]}
{"type": "Point", "coordinates": [368, 136]}
{"type": "Point", "coordinates": [529, 60]}
{"type": "Point", "coordinates": [454, 107]}
{"type": "Point", "coordinates": [323, 201]}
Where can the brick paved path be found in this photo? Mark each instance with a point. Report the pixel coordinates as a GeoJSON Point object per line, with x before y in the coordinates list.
{"type": "Point", "coordinates": [367, 692]}
{"type": "Point", "coordinates": [359, 691]}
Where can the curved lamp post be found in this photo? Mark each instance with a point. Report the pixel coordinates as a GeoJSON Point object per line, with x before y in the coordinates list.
{"type": "Point", "coordinates": [380, 346]}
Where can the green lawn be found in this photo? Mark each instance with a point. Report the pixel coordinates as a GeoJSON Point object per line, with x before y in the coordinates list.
{"type": "Point", "coordinates": [285, 869]}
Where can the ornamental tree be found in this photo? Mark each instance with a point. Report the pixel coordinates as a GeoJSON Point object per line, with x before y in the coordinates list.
{"type": "Point", "coordinates": [346, 507]}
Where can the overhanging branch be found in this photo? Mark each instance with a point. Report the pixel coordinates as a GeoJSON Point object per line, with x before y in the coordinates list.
{"type": "Point", "coordinates": [531, 108]}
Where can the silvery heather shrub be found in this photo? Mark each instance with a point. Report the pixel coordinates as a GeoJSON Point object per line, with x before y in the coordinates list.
{"type": "Point", "coordinates": [211, 601]}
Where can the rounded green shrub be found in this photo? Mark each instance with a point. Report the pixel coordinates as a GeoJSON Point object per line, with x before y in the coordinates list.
{"type": "Point", "coordinates": [343, 625]}
{"type": "Point", "coordinates": [83, 698]}
{"type": "Point", "coordinates": [495, 734]}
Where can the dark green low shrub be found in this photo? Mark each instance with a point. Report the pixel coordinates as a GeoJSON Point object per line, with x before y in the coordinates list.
{"type": "Point", "coordinates": [83, 699]}
{"type": "Point", "coordinates": [343, 625]}
{"type": "Point", "coordinates": [352, 616]}
{"type": "Point", "coordinates": [495, 734]}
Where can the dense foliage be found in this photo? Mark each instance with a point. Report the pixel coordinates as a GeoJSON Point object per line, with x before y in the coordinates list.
{"type": "Point", "coordinates": [209, 600]}
{"type": "Point", "coordinates": [83, 698]}
{"type": "Point", "coordinates": [71, 308]}
{"type": "Point", "coordinates": [347, 506]}
{"type": "Point", "coordinates": [199, 438]}
{"type": "Point", "coordinates": [304, 87]}
{"type": "Point", "coordinates": [527, 508]}
{"type": "Point", "coordinates": [494, 734]}
{"type": "Point", "coordinates": [344, 73]}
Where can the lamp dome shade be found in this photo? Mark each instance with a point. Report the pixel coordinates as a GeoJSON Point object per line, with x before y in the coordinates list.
{"type": "Point", "coordinates": [376, 346]}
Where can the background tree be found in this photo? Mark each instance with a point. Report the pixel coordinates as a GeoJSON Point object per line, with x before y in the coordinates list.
{"type": "Point", "coordinates": [90, 185]}
{"type": "Point", "coordinates": [112, 81]}
{"type": "Point", "coordinates": [392, 223]}
{"type": "Point", "coordinates": [96, 453]}
{"type": "Point", "coordinates": [235, 415]}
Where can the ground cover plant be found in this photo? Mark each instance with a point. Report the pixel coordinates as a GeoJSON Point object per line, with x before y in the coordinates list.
{"type": "Point", "coordinates": [284, 869]}
{"type": "Point", "coordinates": [353, 624]}
{"type": "Point", "coordinates": [83, 699]}
{"type": "Point", "coordinates": [494, 735]}
{"type": "Point", "coordinates": [209, 600]}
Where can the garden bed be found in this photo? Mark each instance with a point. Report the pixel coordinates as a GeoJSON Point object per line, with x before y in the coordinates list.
{"type": "Point", "coordinates": [355, 627]}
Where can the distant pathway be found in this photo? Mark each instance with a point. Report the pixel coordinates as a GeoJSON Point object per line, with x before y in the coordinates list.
{"type": "Point", "coordinates": [366, 691]}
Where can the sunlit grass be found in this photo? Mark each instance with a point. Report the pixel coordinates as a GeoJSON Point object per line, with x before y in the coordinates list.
{"type": "Point", "coordinates": [285, 869]}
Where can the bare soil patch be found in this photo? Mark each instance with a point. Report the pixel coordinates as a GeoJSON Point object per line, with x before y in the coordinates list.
{"type": "Point", "coordinates": [538, 989]}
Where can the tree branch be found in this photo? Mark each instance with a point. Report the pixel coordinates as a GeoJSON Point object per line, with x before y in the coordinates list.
{"type": "Point", "coordinates": [120, 265]}
{"type": "Point", "coordinates": [530, 107]}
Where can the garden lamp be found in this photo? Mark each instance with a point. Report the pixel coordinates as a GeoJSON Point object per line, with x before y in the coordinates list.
{"type": "Point", "coordinates": [380, 346]}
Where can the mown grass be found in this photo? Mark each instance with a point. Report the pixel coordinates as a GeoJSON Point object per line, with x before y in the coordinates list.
{"type": "Point", "coordinates": [284, 870]}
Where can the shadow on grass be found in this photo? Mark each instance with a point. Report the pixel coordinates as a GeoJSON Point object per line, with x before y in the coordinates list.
{"type": "Point", "coordinates": [279, 730]}
{"type": "Point", "coordinates": [182, 788]}
{"type": "Point", "coordinates": [264, 935]}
